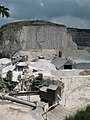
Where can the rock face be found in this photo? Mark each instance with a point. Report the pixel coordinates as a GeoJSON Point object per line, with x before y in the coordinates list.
{"type": "Point", "coordinates": [35, 35]}
{"type": "Point", "coordinates": [45, 37]}
{"type": "Point", "coordinates": [81, 37]}
{"type": "Point", "coordinates": [9, 40]}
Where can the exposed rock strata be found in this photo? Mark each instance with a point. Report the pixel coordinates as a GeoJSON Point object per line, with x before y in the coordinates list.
{"type": "Point", "coordinates": [81, 37]}
{"type": "Point", "coordinates": [38, 35]}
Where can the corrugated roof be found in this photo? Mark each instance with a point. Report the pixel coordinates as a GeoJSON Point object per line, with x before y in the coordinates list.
{"type": "Point", "coordinates": [43, 89]}
{"type": "Point", "coordinates": [59, 62]}
{"type": "Point", "coordinates": [52, 87]}
{"type": "Point", "coordinates": [22, 64]}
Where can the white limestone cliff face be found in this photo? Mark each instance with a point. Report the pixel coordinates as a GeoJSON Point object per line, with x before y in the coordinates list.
{"type": "Point", "coordinates": [70, 44]}
{"type": "Point", "coordinates": [45, 37]}
{"type": "Point", "coordinates": [36, 36]}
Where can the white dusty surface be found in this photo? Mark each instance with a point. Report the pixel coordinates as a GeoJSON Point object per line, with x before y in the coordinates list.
{"type": "Point", "coordinates": [76, 94]}
{"type": "Point", "coordinates": [14, 111]}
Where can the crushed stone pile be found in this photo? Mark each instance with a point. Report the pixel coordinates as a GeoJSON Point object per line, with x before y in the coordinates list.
{"type": "Point", "coordinates": [43, 64]}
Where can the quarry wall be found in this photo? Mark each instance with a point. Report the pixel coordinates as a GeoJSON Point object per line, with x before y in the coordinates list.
{"type": "Point", "coordinates": [46, 37]}
{"type": "Point", "coordinates": [40, 35]}
{"type": "Point", "coordinates": [81, 37]}
{"type": "Point", "coordinates": [36, 36]}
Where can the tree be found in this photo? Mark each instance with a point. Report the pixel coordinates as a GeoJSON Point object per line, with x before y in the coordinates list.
{"type": "Point", "coordinates": [4, 11]}
{"type": "Point", "coordinates": [7, 80]}
{"type": "Point", "coordinates": [9, 76]}
{"type": "Point", "coordinates": [81, 115]}
{"type": "Point", "coordinates": [19, 78]}
{"type": "Point", "coordinates": [2, 84]}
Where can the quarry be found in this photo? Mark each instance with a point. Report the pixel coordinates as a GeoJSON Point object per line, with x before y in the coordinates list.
{"type": "Point", "coordinates": [49, 66]}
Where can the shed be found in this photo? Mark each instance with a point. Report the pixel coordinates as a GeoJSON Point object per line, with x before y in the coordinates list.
{"type": "Point", "coordinates": [50, 94]}
{"type": "Point", "coordinates": [24, 58]}
{"type": "Point", "coordinates": [16, 59]}
{"type": "Point", "coordinates": [21, 66]}
{"type": "Point", "coordinates": [43, 94]}
{"type": "Point", "coordinates": [54, 93]}
{"type": "Point", "coordinates": [62, 63]}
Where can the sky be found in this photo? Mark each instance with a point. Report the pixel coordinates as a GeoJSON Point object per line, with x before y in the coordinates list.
{"type": "Point", "coordinates": [72, 13]}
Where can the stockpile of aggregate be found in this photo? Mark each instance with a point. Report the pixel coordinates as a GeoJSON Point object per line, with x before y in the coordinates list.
{"type": "Point", "coordinates": [43, 64]}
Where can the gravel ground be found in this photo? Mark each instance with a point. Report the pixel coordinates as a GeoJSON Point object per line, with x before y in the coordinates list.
{"type": "Point", "coordinates": [14, 111]}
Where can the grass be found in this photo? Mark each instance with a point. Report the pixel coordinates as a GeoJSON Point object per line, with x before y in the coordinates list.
{"type": "Point", "coordinates": [81, 115]}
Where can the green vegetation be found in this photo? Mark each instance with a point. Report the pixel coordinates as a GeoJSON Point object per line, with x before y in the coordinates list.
{"type": "Point", "coordinates": [47, 82]}
{"type": "Point", "coordinates": [29, 23]}
{"type": "Point", "coordinates": [81, 115]}
{"type": "Point", "coordinates": [4, 12]}
{"type": "Point", "coordinates": [5, 83]}
{"type": "Point", "coordinates": [19, 78]}
{"type": "Point", "coordinates": [2, 85]}
{"type": "Point", "coordinates": [38, 82]}
{"type": "Point", "coordinates": [4, 55]}
{"type": "Point", "coordinates": [9, 76]}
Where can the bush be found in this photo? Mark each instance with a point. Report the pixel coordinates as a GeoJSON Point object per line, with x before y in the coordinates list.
{"type": "Point", "coordinates": [38, 83]}
{"type": "Point", "coordinates": [81, 115]}
{"type": "Point", "coordinates": [9, 76]}
{"type": "Point", "coordinates": [19, 78]}
{"type": "Point", "coordinates": [7, 81]}
{"type": "Point", "coordinates": [2, 84]}
{"type": "Point", "coordinates": [4, 55]}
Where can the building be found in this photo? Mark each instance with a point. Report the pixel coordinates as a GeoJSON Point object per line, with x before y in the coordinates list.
{"type": "Point", "coordinates": [62, 63]}
{"type": "Point", "coordinates": [22, 58]}
{"type": "Point", "coordinates": [50, 94]}
{"type": "Point", "coordinates": [21, 66]}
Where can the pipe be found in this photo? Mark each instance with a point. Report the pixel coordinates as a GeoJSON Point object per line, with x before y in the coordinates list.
{"type": "Point", "coordinates": [13, 99]}
{"type": "Point", "coordinates": [24, 93]}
